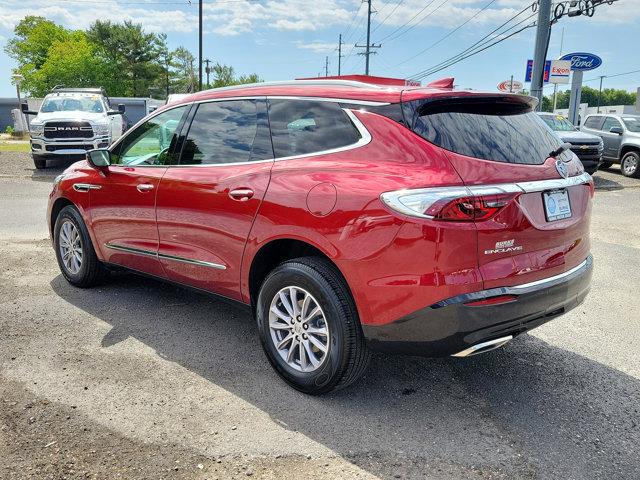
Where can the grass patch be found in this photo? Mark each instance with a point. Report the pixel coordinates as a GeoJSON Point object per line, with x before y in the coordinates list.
{"type": "Point", "coordinates": [15, 147]}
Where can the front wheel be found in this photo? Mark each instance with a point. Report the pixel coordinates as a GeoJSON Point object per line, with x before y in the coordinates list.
{"type": "Point", "coordinates": [630, 165]}
{"type": "Point", "coordinates": [309, 326]}
{"type": "Point", "coordinates": [74, 251]}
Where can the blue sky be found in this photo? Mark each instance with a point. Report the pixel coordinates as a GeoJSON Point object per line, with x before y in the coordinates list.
{"type": "Point", "coordinates": [283, 39]}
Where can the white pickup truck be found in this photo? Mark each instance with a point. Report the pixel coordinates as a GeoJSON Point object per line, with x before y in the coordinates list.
{"type": "Point", "coordinates": [71, 121]}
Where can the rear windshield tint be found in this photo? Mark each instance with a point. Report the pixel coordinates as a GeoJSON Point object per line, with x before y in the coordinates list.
{"type": "Point", "coordinates": [490, 128]}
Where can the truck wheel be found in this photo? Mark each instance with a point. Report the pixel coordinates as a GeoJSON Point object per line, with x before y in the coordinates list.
{"type": "Point", "coordinates": [309, 326]}
{"type": "Point", "coordinates": [40, 163]}
{"type": "Point", "coordinates": [630, 165]}
{"type": "Point", "coordinates": [75, 253]}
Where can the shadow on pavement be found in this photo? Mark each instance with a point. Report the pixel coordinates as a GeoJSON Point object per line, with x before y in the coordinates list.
{"type": "Point", "coordinates": [529, 410]}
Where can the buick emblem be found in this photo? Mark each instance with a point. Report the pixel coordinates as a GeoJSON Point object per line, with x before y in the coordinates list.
{"type": "Point", "coordinates": [562, 168]}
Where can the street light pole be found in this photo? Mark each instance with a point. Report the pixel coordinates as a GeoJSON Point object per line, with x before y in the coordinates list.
{"type": "Point", "coordinates": [600, 92]}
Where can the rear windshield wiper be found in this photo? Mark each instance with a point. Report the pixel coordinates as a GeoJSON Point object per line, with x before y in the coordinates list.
{"type": "Point", "coordinates": [560, 149]}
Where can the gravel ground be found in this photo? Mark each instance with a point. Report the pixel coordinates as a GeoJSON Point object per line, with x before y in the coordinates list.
{"type": "Point", "coordinates": [138, 379]}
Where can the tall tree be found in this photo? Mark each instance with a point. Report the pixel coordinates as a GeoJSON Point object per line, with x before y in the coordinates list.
{"type": "Point", "coordinates": [183, 73]}
{"type": "Point", "coordinates": [134, 55]}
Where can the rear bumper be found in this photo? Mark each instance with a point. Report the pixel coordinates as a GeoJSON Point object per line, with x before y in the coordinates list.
{"type": "Point", "coordinates": [451, 326]}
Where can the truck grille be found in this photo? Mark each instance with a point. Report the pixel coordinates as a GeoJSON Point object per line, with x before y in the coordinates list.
{"type": "Point", "coordinates": [585, 150]}
{"type": "Point", "coordinates": [68, 130]}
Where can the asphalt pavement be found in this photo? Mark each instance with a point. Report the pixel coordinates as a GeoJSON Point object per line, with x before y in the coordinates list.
{"type": "Point", "coordinates": [138, 379]}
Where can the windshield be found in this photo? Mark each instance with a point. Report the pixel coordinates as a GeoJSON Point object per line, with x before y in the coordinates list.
{"type": "Point", "coordinates": [558, 123]}
{"type": "Point", "coordinates": [72, 104]}
{"type": "Point", "coordinates": [632, 123]}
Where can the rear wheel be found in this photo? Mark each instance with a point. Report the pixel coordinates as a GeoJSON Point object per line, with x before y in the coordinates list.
{"type": "Point", "coordinates": [630, 164]}
{"type": "Point", "coordinates": [40, 163]}
{"type": "Point", "coordinates": [75, 253]}
{"type": "Point", "coordinates": [309, 326]}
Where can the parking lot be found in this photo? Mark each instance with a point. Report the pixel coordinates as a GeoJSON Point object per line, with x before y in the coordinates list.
{"type": "Point", "coordinates": [138, 379]}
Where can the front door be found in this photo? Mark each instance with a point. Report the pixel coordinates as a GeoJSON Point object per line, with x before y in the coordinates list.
{"type": "Point", "coordinates": [206, 204]}
{"type": "Point", "coordinates": [611, 140]}
{"type": "Point", "coordinates": [123, 208]}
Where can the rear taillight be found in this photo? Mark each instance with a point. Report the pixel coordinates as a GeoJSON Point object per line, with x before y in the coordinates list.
{"type": "Point", "coordinates": [453, 204]}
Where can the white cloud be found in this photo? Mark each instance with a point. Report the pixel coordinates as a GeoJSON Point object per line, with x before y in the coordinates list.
{"type": "Point", "coordinates": [317, 46]}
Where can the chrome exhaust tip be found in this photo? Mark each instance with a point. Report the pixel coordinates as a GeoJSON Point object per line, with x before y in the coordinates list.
{"type": "Point", "coordinates": [484, 347]}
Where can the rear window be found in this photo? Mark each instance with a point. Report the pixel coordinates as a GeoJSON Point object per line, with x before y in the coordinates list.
{"type": "Point", "coordinates": [300, 127]}
{"type": "Point", "coordinates": [490, 128]}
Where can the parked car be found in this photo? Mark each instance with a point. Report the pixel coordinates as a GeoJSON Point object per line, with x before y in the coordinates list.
{"type": "Point", "coordinates": [72, 121]}
{"type": "Point", "coordinates": [346, 216]}
{"type": "Point", "coordinates": [621, 137]}
{"type": "Point", "coordinates": [586, 146]}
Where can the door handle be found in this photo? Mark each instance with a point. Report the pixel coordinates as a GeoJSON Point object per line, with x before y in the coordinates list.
{"type": "Point", "coordinates": [144, 187]}
{"type": "Point", "coordinates": [241, 194]}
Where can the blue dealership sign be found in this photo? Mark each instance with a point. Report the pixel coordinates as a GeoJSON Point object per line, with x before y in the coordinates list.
{"type": "Point", "coordinates": [583, 61]}
{"type": "Point", "coordinates": [529, 70]}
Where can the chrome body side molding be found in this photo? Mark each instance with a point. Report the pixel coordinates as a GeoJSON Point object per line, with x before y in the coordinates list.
{"type": "Point", "coordinates": [150, 253]}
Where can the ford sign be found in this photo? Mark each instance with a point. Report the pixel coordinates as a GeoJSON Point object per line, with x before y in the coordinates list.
{"type": "Point", "coordinates": [582, 61]}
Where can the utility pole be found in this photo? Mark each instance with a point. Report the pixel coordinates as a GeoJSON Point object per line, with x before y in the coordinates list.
{"type": "Point", "coordinates": [200, 45]}
{"type": "Point", "coordinates": [326, 66]}
{"type": "Point", "coordinates": [369, 45]}
{"type": "Point", "coordinates": [541, 46]}
{"type": "Point", "coordinates": [207, 70]}
{"type": "Point", "coordinates": [600, 92]}
{"type": "Point", "coordinates": [555, 85]}
{"type": "Point", "coordinates": [340, 43]}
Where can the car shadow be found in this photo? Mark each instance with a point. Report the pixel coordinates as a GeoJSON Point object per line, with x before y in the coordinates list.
{"type": "Point", "coordinates": [54, 168]}
{"type": "Point", "coordinates": [529, 410]}
{"type": "Point", "coordinates": [602, 183]}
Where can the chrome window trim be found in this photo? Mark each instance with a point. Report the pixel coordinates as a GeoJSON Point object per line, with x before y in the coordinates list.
{"type": "Point", "coordinates": [365, 138]}
{"type": "Point", "coordinates": [392, 199]}
{"type": "Point", "coordinates": [157, 255]}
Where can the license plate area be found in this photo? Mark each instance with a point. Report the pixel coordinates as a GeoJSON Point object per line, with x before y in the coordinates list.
{"type": "Point", "coordinates": [556, 204]}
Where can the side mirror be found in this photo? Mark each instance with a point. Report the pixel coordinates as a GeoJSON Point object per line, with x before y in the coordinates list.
{"type": "Point", "coordinates": [119, 111]}
{"type": "Point", "coordinates": [99, 157]}
{"type": "Point", "coordinates": [616, 129]}
{"type": "Point", "coordinates": [25, 109]}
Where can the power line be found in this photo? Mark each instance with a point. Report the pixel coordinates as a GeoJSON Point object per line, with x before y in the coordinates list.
{"type": "Point", "coordinates": [407, 23]}
{"type": "Point", "coordinates": [447, 35]}
{"type": "Point", "coordinates": [482, 41]}
{"type": "Point", "coordinates": [426, 73]}
{"type": "Point", "coordinates": [388, 15]}
{"type": "Point", "coordinates": [368, 46]}
{"type": "Point", "coordinates": [347, 35]}
{"type": "Point", "coordinates": [612, 76]}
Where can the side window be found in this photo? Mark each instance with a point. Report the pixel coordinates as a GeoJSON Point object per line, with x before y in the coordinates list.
{"type": "Point", "coordinates": [230, 131]}
{"type": "Point", "coordinates": [152, 142]}
{"type": "Point", "coordinates": [610, 122]}
{"type": "Point", "coordinates": [299, 127]}
{"type": "Point", "coordinates": [593, 122]}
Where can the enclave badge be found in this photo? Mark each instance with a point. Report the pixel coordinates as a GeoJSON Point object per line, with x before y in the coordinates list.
{"type": "Point", "coordinates": [562, 168]}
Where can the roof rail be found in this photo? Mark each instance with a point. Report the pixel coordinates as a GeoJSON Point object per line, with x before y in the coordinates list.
{"type": "Point", "coordinates": [300, 82]}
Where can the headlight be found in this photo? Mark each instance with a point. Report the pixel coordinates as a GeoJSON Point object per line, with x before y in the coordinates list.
{"type": "Point", "coordinates": [101, 129]}
{"type": "Point", "coordinates": [36, 130]}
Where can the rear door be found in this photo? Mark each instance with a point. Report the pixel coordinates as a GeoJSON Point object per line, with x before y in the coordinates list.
{"type": "Point", "coordinates": [502, 151]}
{"type": "Point", "coordinates": [207, 203]}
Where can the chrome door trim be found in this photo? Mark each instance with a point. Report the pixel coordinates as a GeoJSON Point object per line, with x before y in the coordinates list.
{"type": "Point", "coordinates": [85, 187]}
{"type": "Point", "coordinates": [151, 253]}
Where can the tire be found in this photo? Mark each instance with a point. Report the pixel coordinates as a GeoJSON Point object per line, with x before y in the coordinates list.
{"type": "Point", "coordinates": [605, 165]}
{"type": "Point", "coordinates": [347, 355]}
{"type": "Point", "coordinates": [70, 229]}
{"type": "Point", "coordinates": [630, 164]}
{"type": "Point", "coordinates": [40, 163]}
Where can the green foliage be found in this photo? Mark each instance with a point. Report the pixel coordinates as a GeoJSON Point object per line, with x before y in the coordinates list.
{"type": "Point", "coordinates": [610, 96]}
{"type": "Point", "coordinates": [9, 130]}
{"type": "Point", "coordinates": [121, 57]}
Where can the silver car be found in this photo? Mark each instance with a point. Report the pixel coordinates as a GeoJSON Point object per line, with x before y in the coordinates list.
{"type": "Point", "coordinates": [621, 137]}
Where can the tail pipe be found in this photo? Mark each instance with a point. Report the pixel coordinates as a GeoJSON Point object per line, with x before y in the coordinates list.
{"type": "Point", "coordinates": [484, 347]}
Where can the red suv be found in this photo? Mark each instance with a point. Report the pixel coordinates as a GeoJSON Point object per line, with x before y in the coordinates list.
{"type": "Point", "coordinates": [348, 216]}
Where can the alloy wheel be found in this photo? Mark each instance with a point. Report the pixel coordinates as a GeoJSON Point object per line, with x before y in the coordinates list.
{"type": "Point", "coordinates": [299, 329]}
{"type": "Point", "coordinates": [629, 165]}
{"type": "Point", "coordinates": [70, 244]}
